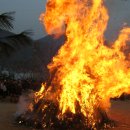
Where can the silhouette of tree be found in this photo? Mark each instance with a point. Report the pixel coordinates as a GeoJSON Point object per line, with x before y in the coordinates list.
{"type": "Point", "coordinates": [11, 42]}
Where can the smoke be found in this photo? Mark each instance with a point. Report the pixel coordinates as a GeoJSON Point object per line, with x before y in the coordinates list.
{"type": "Point", "coordinates": [25, 103]}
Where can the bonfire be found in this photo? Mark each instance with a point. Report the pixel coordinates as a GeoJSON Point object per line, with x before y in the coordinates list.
{"type": "Point", "coordinates": [85, 74]}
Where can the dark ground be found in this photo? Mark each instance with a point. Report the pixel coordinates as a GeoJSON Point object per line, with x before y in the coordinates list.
{"type": "Point", "coordinates": [120, 111]}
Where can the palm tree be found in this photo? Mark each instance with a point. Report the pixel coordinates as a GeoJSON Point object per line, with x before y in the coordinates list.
{"type": "Point", "coordinates": [11, 42]}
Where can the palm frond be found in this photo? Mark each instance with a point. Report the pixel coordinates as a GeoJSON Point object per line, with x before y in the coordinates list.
{"type": "Point", "coordinates": [6, 48]}
{"type": "Point", "coordinates": [21, 39]}
{"type": "Point", "coordinates": [12, 43]}
{"type": "Point", "coordinates": [6, 20]}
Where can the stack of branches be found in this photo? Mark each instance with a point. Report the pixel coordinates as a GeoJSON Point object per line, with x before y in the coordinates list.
{"type": "Point", "coordinates": [45, 115]}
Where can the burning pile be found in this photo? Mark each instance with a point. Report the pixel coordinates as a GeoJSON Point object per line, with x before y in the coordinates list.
{"type": "Point", "coordinates": [85, 73]}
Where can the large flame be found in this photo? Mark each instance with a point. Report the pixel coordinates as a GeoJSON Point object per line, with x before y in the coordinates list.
{"type": "Point", "coordinates": [85, 71]}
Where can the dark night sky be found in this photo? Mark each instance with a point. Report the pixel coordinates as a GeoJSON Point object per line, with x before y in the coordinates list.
{"type": "Point", "coordinates": [28, 11]}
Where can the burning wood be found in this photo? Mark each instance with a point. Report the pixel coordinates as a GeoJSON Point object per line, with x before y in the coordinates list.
{"type": "Point", "coordinates": [87, 73]}
{"type": "Point", "coordinates": [45, 115]}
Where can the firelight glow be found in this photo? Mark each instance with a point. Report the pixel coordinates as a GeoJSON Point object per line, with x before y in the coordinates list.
{"type": "Point", "coordinates": [85, 71]}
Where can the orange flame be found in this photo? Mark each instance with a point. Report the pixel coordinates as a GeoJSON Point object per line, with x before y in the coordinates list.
{"type": "Point", "coordinates": [86, 70]}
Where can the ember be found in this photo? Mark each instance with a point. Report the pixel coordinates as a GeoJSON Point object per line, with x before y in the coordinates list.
{"type": "Point", "coordinates": [85, 74]}
{"type": "Point", "coordinates": [46, 115]}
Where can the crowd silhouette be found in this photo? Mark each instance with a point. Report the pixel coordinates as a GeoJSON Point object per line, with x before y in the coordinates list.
{"type": "Point", "coordinates": [11, 88]}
